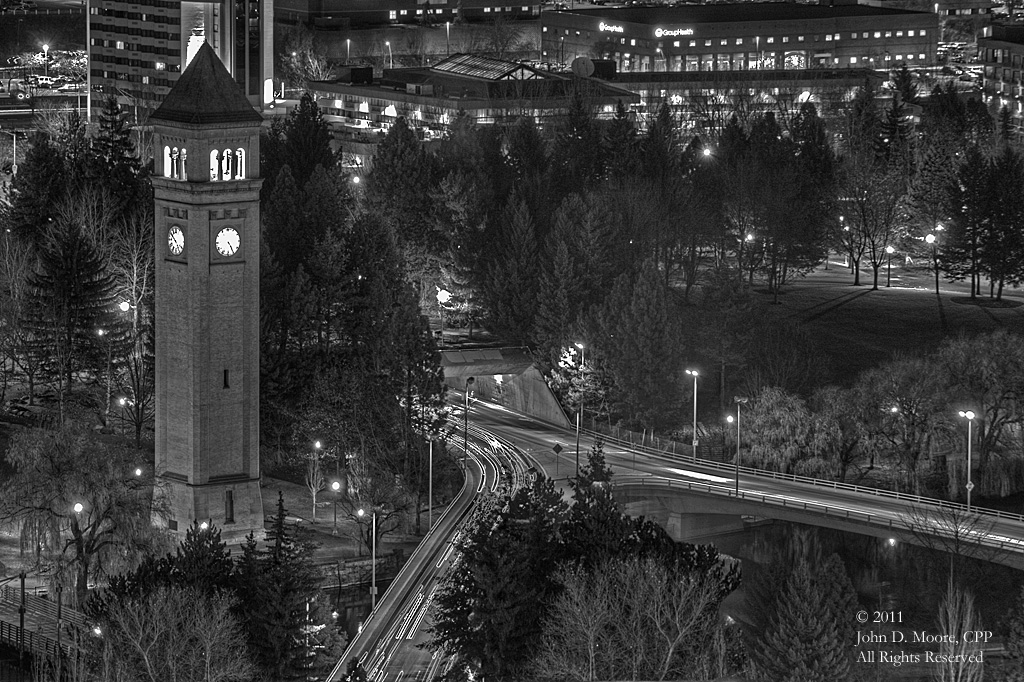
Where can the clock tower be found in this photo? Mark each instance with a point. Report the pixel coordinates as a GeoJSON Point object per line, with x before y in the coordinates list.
{"type": "Point", "coordinates": [207, 186]}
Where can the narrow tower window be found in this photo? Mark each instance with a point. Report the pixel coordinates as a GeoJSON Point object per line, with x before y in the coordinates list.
{"type": "Point", "coordinates": [229, 506]}
{"type": "Point", "coordinates": [226, 158]}
{"type": "Point", "coordinates": [214, 166]}
{"type": "Point", "coordinates": [239, 164]}
{"type": "Point", "coordinates": [226, 379]}
{"type": "Point", "coordinates": [182, 157]}
{"type": "Point", "coordinates": [167, 161]}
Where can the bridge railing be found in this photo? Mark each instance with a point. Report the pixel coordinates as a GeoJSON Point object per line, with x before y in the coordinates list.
{"type": "Point", "coordinates": [817, 482]}
{"type": "Point", "coordinates": [979, 536]}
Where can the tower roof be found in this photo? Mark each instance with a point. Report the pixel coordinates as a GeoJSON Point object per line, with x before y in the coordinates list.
{"type": "Point", "coordinates": [206, 93]}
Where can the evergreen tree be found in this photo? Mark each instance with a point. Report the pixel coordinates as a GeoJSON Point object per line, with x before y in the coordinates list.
{"type": "Point", "coordinates": [1002, 250]}
{"type": "Point", "coordinates": [894, 143]}
{"type": "Point", "coordinates": [970, 203]}
{"type": "Point", "coordinates": [659, 148]}
{"type": "Point", "coordinates": [286, 617]}
{"type": "Point", "coordinates": [1015, 640]}
{"type": "Point", "coordinates": [302, 142]}
{"type": "Point", "coordinates": [69, 297]}
{"type": "Point", "coordinates": [114, 161]}
{"type": "Point", "coordinates": [36, 191]}
{"type": "Point", "coordinates": [638, 325]}
{"type": "Point", "coordinates": [802, 643]}
{"type": "Point", "coordinates": [512, 287]}
{"type": "Point", "coordinates": [620, 144]}
{"type": "Point", "coordinates": [577, 156]}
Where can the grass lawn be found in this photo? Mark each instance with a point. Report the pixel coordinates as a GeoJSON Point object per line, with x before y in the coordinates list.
{"type": "Point", "coordinates": [859, 328]}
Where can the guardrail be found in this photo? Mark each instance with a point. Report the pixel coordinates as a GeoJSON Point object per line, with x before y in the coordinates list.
{"type": "Point", "coordinates": [817, 482]}
{"type": "Point", "coordinates": [975, 536]}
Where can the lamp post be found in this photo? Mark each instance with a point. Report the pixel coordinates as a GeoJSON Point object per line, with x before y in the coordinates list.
{"type": "Point", "coordinates": [888, 270]}
{"type": "Point", "coordinates": [935, 259]}
{"type": "Point", "coordinates": [14, 163]}
{"type": "Point", "coordinates": [465, 422]}
{"type": "Point", "coordinates": [694, 373]}
{"type": "Point", "coordinates": [579, 415]}
{"type": "Point", "coordinates": [336, 487]}
{"type": "Point", "coordinates": [739, 401]}
{"type": "Point", "coordinates": [430, 489]}
{"type": "Point", "coordinates": [373, 555]}
{"type": "Point", "coordinates": [46, 59]}
{"type": "Point", "coordinates": [391, 56]}
{"type": "Point", "coordinates": [969, 416]}
{"type": "Point", "coordinates": [443, 296]}
{"type": "Point", "coordinates": [348, 50]}
{"type": "Point", "coordinates": [106, 409]}
{"type": "Point", "coordinates": [447, 39]}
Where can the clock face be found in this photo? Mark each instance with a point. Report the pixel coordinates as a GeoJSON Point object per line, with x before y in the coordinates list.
{"type": "Point", "coordinates": [175, 240]}
{"type": "Point", "coordinates": [227, 241]}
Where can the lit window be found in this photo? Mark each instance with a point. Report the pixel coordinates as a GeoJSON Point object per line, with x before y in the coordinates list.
{"type": "Point", "coordinates": [145, 80]}
{"type": "Point", "coordinates": [800, 39]}
{"type": "Point", "coordinates": [675, 43]}
{"type": "Point", "coordinates": [828, 37]}
{"type": "Point", "coordinates": [837, 36]}
{"type": "Point", "coordinates": [922, 32]}
{"type": "Point", "coordinates": [632, 42]}
{"type": "Point", "coordinates": [878, 34]}
{"type": "Point", "coordinates": [888, 57]}
{"type": "Point", "coordinates": [487, 10]}
{"type": "Point", "coordinates": [167, 161]}
{"type": "Point", "coordinates": [853, 60]}
{"type": "Point", "coordinates": [899, 34]}
{"type": "Point", "coordinates": [921, 56]}
{"type": "Point", "coordinates": [724, 42]}
{"type": "Point", "coordinates": [693, 43]}
{"type": "Point", "coordinates": [888, 34]}
{"type": "Point", "coordinates": [910, 34]}
{"type": "Point", "coordinates": [403, 12]}
{"type": "Point", "coordinates": [119, 44]}
{"type": "Point", "coordinates": [785, 39]}
{"type": "Point", "coordinates": [739, 41]}
{"type": "Point", "coordinates": [853, 35]}
{"type": "Point", "coordinates": [864, 34]}
{"type": "Point", "coordinates": [393, 15]}
{"type": "Point", "coordinates": [160, 66]}
{"type": "Point", "coordinates": [707, 43]}
{"type": "Point", "coordinates": [770, 40]}
{"type": "Point", "coordinates": [899, 57]}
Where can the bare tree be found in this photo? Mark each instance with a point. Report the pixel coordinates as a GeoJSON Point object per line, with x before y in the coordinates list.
{"type": "Point", "coordinates": [961, 659]}
{"type": "Point", "coordinates": [962, 537]}
{"type": "Point", "coordinates": [173, 635]}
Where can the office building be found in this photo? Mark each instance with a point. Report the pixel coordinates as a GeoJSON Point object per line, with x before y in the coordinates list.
{"type": "Point", "coordinates": [1001, 52]}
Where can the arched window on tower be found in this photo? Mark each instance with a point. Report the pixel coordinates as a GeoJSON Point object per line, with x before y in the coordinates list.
{"type": "Point", "coordinates": [226, 158]}
{"type": "Point", "coordinates": [239, 164]}
{"type": "Point", "coordinates": [174, 164]}
{"type": "Point", "coordinates": [214, 165]}
{"type": "Point", "coordinates": [167, 162]}
{"type": "Point", "coordinates": [182, 157]}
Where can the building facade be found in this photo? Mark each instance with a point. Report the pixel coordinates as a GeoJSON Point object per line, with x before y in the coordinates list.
{"type": "Point", "coordinates": [138, 48]}
{"type": "Point", "coordinates": [206, 185]}
{"type": "Point", "coordinates": [739, 37]}
{"type": "Point", "coordinates": [361, 13]}
{"type": "Point", "coordinates": [1001, 52]}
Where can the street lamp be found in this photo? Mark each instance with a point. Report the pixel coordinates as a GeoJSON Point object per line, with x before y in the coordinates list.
{"type": "Point", "coordinates": [373, 555]}
{"type": "Point", "coordinates": [447, 39]}
{"type": "Point", "coordinates": [78, 507]}
{"type": "Point", "coordinates": [465, 423]}
{"type": "Point", "coordinates": [391, 56]}
{"type": "Point", "coordinates": [739, 401]}
{"type": "Point", "coordinates": [888, 272]}
{"type": "Point", "coordinates": [46, 59]}
{"type": "Point", "coordinates": [694, 373]}
{"type": "Point", "coordinates": [443, 296]}
{"type": "Point", "coordinates": [348, 50]}
{"type": "Point", "coordinates": [579, 415]}
{"type": "Point", "coordinates": [106, 409]}
{"type": "Point", "coordinates": [336, 487]}
{"type": "Point", "coordinates": [935, 259]}
{"type": "Point", "coordinates": [969, 416]}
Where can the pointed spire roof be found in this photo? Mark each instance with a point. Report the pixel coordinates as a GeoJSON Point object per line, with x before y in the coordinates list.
{"type": "Point", "coordinates": [206, 93]}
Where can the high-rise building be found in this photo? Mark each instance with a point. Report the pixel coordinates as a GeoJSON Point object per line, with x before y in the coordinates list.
{"type": "Point", "coordinates": [206, 187]}
{"type": "Point", "coordinates": [138, 48]}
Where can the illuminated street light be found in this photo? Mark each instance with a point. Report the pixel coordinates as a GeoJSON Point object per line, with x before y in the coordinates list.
{"type": "Point", "coordinates": [78, 507]}
{"type": "Point", "coordinates": [391, 56]}
{"type": "Point", "coordinates": [933, 241]}
{"type": "Point", "coordinates": [969, 416]}
{"type": "Point", "coordinates": [888, 274]}
{"type": "Point", "coordinates": [739, 401]}
{"type": "Point", "coordinates": [336, 487]}
{"type": "Point", "coordinates": [46, 59]}
{"type": "Point", "coordinates": [694, 373]}
{"type": "Point", "coordinates": [579, 415]}
{"type": "Point", "coordinates": [443, 296]}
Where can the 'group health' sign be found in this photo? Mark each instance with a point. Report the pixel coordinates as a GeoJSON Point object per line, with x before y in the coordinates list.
{"type": "Point", "coordinates": [668, 32]}
{"type": "Point", "coordinates": [610, 27]}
